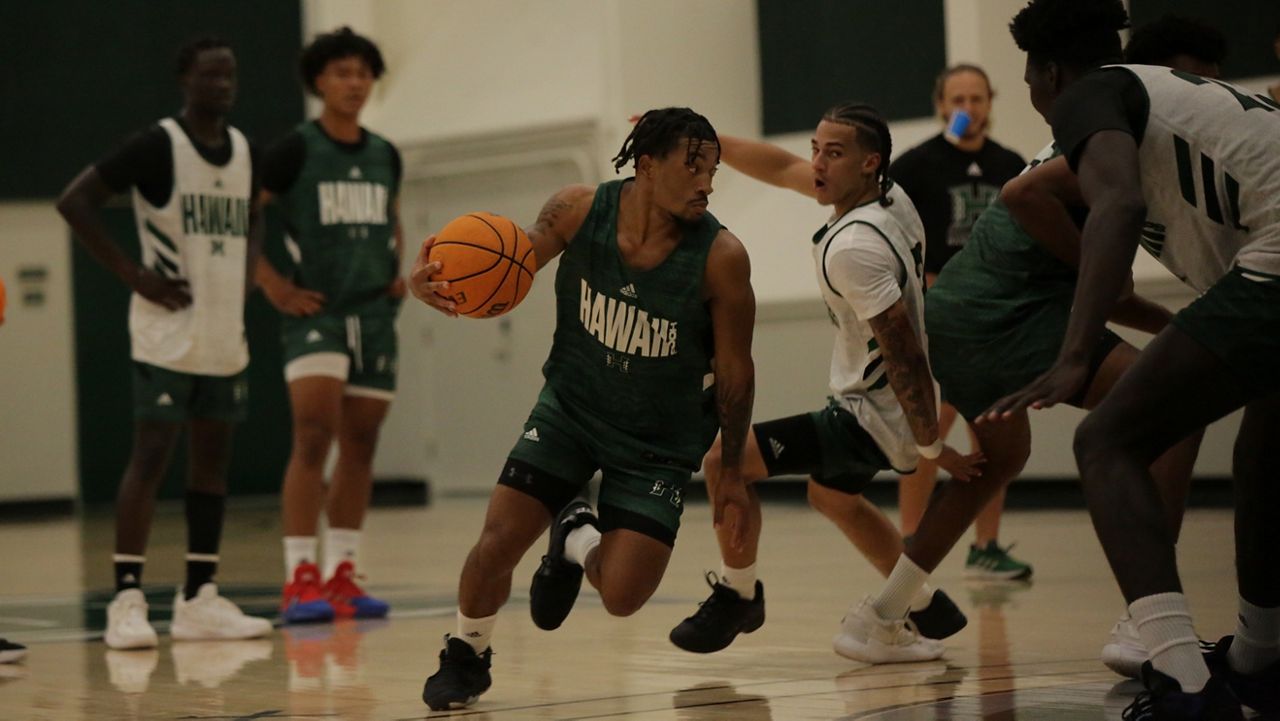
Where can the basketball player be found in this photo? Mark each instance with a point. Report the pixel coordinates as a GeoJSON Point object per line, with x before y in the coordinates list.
{"type": "Point", "coordinates": [338, 185]}
{"type": "Point", "coordinates": [867, 257]}
{"type": "Point", "coordinates": [996, 319]}
{"type": "Point", "coordinates": [652, 352]}
{"type": "Point", "coordinates": [951, 179]}
{"type": "Point", "coordinates": [192, 179]}
{"type": "Point", "coordinates": [1135, 136]}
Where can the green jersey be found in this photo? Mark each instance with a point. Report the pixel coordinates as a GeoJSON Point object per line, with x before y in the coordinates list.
{"type": "Point", "coordinates": [339, 213]}
{"type": "Point", "coordinates": [632, 348]}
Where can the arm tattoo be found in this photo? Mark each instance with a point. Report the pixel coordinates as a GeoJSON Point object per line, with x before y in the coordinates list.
{"type": "Point", "coordinates": [908, 372]}
{"type": "Point", "coordinates": [550, 216]}
{"type": "Point", "coordinates": [734, 399]}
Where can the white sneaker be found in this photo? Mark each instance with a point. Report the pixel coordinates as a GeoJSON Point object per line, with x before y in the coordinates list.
{"type": "Point", "coordinates": [1124, 652]}
{"type": "Point", "coordinates": [210, 617]}
{"type": "Point", "coordinates": [127, 625]}
{"type": "Point", "coordinates": [866, 637]}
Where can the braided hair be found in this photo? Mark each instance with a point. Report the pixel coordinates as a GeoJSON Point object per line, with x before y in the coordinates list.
{"type": "Point", "coordinates": [871, 134]}
{"type": "Point", "coordinates": [659, 131]}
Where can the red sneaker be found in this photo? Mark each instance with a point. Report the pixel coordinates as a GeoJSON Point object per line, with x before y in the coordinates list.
{"type": "Point", "coordinates": [304, 599]}
{"type": "Point", "coordinates": [342, 590]}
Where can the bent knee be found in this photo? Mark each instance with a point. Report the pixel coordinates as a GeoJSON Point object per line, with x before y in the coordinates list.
{"type": "Point", "coordinates": [623, 603]}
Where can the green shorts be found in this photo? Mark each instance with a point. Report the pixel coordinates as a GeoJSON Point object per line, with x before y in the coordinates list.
{"type": "Point", "coordinates": [641, 489]}
{"type": "Point", "coordinates": [829, 445]}
{"type": "Point", "coordinates": [357, 349]}
{"type": "Point", "coordinates": [1238, 320]}
{"type": "Point", "coordinates": [160, 394]}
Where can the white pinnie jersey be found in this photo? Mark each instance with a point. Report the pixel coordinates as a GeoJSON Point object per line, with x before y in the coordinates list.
{"type": "Point", "coordinates": [892, 238]}
{"type": "Point", "coordinates": [1210, 165]}
{"type": "Point", "coordinates": [201, 236]}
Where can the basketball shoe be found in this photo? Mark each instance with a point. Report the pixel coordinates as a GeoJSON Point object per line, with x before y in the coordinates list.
{"type": "Point", "coordinates": [463, 676]}
{"type": "Point", "coordinates": [1259, 691]}
{"type": "Point", "coordinates": [993, 562]}
{"type": "Point", "coordinates": [866, 637]}
{"type": "Point", "coordinates": [719, 619]}
{"type": "Point", "coordinates": [11, 652]}
{"type": "Point", "coordinates": [127, 625]}
{"type": "Point", "coordinates": [1124, 652]}
{"type": "Point", "coordinates": [1164, 700]}
{"type": "Point", "coordinates": [343, 591]}
{"type": "Point", "coordinates": [940, 619]}
{"type": "Point", "coordinates": [304, 598]}
{"type": "Point", "coordinates": [557, 581]}
{"type": "Point", "coordinates": [210, 617]}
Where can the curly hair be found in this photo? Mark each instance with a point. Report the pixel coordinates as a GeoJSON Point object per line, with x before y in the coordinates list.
{"type": "Point", "coordinates": [1156, 42]}
{"type": "Point", "coordinates": [659, 131]}
{"type": "Point", "coordinates": [339, 44]}
{"type": "Point", "coordinates": [871, 133]}
{"type": "Point", "coordinates": [1078, 34]}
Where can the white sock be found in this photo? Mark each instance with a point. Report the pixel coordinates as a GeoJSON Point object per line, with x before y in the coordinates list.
{"type": "Point", "coordinates": [298, 550]}
{"type": "Point", "coordinates": [1257, 642]}
{"type": "Point", "coordinates": [922, 599]}
{"type": "Point", "coordinates": [580, 542]}
{"type": "Point", "coordinates": [1164, 625]}
{"type": "Point", "coordinates": [905, 581]}
{"type": "Point", "coordinates": [340, 544]}
{"type": "Point", "coordinates": [476, 631]}
{"type": "Point", "coordinates": [741, 580]}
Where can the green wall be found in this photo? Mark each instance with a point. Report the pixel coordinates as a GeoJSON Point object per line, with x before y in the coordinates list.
{"type": "Point", "coordinates": [817, 53]}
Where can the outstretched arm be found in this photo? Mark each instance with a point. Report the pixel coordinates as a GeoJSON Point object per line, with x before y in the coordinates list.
{"type": "Point", "coordinates": [767, 163]}
{"type": "Point", "coordinates": [732, 303]}
{"type": "Point", "coordinates": [81, 205]}
{"type": "Point", "coordinates": [557, 223]}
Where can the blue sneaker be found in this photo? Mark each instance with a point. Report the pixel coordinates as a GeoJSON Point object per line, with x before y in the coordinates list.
{"type": "Point", "coordinates": [351, 600]}
{"type": "Point", "coordinates": [304, 599]}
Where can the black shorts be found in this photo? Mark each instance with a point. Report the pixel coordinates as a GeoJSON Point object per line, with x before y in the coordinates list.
{"type": "Point", "coordinates": [829, 445]}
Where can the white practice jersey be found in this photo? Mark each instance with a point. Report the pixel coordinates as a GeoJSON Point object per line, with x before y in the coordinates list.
{"type": "Point", "coordinates": [200, 236]}
{"type": "Point", "coordinates": [1210, 164]}
{"type": "Point", "coordinates": [866, 260]}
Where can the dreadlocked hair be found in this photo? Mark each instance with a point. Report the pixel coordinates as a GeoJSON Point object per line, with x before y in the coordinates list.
{"type": "Point", "coordinates": [872, 135]}
{"type": "Point", "coordinates": [658, 132]}
{"type": "Point", "coordinates": [1078, 34]}
{"type": "Point", "coordinates": [1172, 35]}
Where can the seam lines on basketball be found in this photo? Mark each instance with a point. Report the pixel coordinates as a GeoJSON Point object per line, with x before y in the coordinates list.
{"type": "Point", "coordinates": [502, 242]}
{"type": "Point", "coordinates": [477, 247]}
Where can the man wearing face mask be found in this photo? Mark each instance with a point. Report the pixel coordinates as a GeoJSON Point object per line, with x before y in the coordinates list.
{"type": "Point", "coordinates": [952, 178]}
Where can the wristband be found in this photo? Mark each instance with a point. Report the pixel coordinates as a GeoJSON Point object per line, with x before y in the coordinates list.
{"type": "Point", "coordinates": [931, 451]}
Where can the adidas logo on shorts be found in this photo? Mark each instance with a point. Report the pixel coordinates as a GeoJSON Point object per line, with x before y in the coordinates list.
{"type": "Point", "coordinates": [776, 447]}
{"type": "Point", "coordinates": [532, 435]}
{"type": "Point", "coordinates": [314, 336]}
{"type": "Point", "coordinates": [164, 400]}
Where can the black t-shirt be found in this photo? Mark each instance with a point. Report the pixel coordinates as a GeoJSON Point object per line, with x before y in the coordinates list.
{"type": "Point", "coordinates": [283, 160]}
{"type": "Point", "coordinates": [145, 160]}
{"type": "Point", "coordinates": [950, 188]}
{"type": "Point", "coordinates": [1106, 99]}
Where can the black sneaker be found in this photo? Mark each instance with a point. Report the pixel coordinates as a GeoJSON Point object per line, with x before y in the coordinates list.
{"type": "Point", "coordinates": [719, 619]}
{"type": "Point", "coordinates": [463, 676]}
{"type": "Point", "coordinates": [557, 581]}
{"type": "Point", "coordinates": [940, 619]}
{"type": "Point", "coordinates": [1164, 700]}
{"type": "Point", "coordinates": [11, 652]}
{"type": "Point", "coordinates": [1259, 691]}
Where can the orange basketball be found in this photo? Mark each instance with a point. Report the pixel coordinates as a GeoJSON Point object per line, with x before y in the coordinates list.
{"type": "Point", "coordinates": [488, 261]}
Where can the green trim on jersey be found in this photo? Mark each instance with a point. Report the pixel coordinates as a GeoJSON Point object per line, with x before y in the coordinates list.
{"type": "Point", "coordinates": [631, 355]}
{"type": "Point", "coordinates": [340, 216]}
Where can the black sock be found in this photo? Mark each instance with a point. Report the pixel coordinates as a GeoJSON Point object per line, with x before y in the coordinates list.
{"type": "Point", "coordinates": [204, 535]}
{"type": "Point", "coordinates": [128, 571]}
